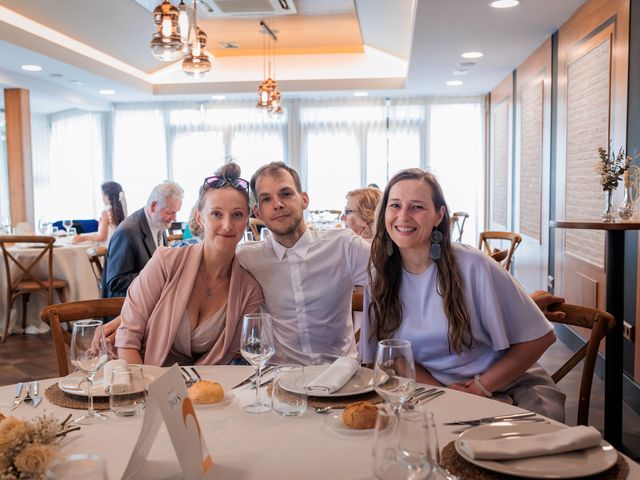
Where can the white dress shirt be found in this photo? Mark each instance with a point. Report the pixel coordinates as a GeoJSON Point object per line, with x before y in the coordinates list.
{"type": "Point", "coordinates": [307, 289]}
{"type": "Point", "coordinates": [156, 231]}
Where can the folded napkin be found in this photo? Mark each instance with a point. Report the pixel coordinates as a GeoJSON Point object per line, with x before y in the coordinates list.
{"type": "Point", "coordinates": [563, 440]}
{"type": "Point", "coordinates": [334, 377]}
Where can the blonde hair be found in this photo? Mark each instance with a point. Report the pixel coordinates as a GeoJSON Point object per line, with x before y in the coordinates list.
{"type": "Point", "coordinates": [367, 200]}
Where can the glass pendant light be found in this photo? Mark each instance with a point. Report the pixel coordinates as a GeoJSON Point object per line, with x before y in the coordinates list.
{"type": "Point", "coordinates": [166, 44]}
{"type": "Point", "coordinates": [196, 63]}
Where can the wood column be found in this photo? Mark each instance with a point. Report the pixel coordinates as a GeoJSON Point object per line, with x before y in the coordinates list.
{"type": "Point", "coordinates": [18, 121]}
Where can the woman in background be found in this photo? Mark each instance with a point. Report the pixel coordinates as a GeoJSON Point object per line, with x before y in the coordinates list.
{"type": "Point", "coordinates": [359, 213]}
{"type": "Point", "coordinates": [114, 213]}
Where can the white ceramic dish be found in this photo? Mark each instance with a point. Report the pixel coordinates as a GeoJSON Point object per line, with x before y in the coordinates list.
{"type": "Point", "coordinates": [563, 465]}
{"type": "Point", "coordinates": [76, 383]}
{"type": "Point", "coordinates": [226, 400]}
{"type": "Point", "coordinates": [333, 421]}
{"type": "Point", "coordinates": [361, 382]}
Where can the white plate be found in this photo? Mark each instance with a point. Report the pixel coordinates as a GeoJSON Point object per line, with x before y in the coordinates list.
{"type": "Point", "coordinates": [562, 465]}
{"type": "Point", "coordinates": [226, 400]}
{"type": "Point", "coordinates": [361, 382]}
{"type": "Point", "coordinates": [76, 383]}
{"type": "Point", "coordinates": [333, 421]}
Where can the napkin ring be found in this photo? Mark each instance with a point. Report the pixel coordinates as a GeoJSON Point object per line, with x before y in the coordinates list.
{"type": "Point", "coordinates": [482, 388]}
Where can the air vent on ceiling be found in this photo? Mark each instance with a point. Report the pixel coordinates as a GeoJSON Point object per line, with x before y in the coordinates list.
{"type": "Point", "coordinates": [229, 8]}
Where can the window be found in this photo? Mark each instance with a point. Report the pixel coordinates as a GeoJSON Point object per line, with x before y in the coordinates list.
{"type": "Point", "coordinates": [404, 152]}
{"type": "Point", "coordinates": [251, 150]}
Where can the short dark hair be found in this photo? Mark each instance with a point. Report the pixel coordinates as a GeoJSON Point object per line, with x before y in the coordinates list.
{"type": "Point", "coordinates": [274, 169]}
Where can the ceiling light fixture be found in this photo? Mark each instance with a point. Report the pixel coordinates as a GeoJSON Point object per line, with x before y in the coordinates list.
{"type": "Point", "coordinates": [107, 91]}
{"type": "Point", "coordinates": [360, 94]}
{"type": "Point", "coordinates": [166, 44]}
{"type": "Point", "coordinates": [505, 3]}
{"type": "Point", "coordinates": [268, 94]}
{"type": "Point", "coordinates": [218, 97]}
{"type": "Point", "coordinates": [31, 68]}
{"type": "Point", "coordinates": [454, 83]}
{"type": "Point", "coordinates": [472, 55]}
{"type": "Point", "coordinates": [196, 63]}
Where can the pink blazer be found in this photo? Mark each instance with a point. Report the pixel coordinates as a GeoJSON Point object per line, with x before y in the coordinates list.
{"type": "Point", "coordinates": [158, 297]}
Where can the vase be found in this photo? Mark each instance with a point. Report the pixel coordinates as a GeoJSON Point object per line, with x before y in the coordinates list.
{"type": "Point", "coordinates": [625, 210]}
{"type": "Point", "coordinates": [608, 214]}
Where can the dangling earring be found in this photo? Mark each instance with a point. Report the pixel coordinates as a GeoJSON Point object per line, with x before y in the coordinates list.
{"type": "Point", "coordinates": [389, 245]}
{"type": "Point", "coordinates": [436, 248]}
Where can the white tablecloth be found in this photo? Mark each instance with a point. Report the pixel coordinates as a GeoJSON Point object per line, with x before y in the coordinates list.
{"type": "Point", "coordinates": [246, 446]}
{"type": "Point", "coordinates": [70, 263]}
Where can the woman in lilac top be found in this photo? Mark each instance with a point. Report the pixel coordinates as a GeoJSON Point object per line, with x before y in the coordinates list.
{"type": "Point", "coordinates": [471, 325]}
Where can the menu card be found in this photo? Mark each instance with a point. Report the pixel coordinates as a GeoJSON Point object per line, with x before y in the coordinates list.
{"type": "Point", "coordinates": [169, 402]}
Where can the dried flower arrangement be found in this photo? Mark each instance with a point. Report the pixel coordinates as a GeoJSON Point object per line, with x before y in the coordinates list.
{"type": "Point", "coordinates": [27, 447]}
{"type": "Point", "coordinates": [611, 167]}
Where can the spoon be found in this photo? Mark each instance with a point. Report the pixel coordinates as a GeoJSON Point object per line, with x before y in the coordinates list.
{"type": "Point", "coordinates": [321, 410]}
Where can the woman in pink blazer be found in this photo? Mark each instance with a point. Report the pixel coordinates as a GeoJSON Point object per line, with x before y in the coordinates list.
{"type": "Point", "coordinates": [187, 304]}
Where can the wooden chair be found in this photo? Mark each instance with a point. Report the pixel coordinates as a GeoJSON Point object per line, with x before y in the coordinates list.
{"type": "Point", "coordinates": [62, 313]}
{"type": "Point", "coordinates": [600, 323]}
{"type": "Point", "coordinates": [255, 225]}
{"type": "Point", "coordinates": [26, 281]}
{"type": "Point", "coordinates": [458, 220]}
{"type": "Point", "coordinates": [96, 256]}
{"type": "Point", "coordinates": [487, 237]}
{"type": "Point", "coordinates": [357, 300]}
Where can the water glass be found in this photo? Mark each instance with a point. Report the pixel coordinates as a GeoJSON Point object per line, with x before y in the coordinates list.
{"type": "Point", "coordinates": [67, 224]}
{"type": "Point", "coordinates": [81, 466]}
{"type": "Point", "coordinates": [417, 446]}
{"type": "Point", "coordinates": [127, 391]}
{"type": "Point", "coordinates": [385, 466]}
{"type": "Point", "coordinates": [283, 400]}
{"type": "Point", "coordinates": [394, 376]}
{"type": "Point", "coordinates": [264, 233]}
{"type": "Point", "coordinates": [72, 232]}
{"type": "Point", "coordinates": [55, 231]}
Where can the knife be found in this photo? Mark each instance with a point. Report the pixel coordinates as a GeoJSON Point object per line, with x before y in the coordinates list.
{"type": "Point", "coordinates": [253, 377]}
{"type": "Point", "coordinates": [16, 399]}
{"type": "Point", "coordinates": [36, 393]}
{"type": "Point", "coordinates": [480, 421]}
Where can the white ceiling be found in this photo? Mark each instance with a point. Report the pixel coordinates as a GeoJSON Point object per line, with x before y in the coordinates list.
{"type": "Point", "coordinates": [412, 47]}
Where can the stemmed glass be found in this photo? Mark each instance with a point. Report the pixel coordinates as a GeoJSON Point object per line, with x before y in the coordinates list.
{"type": "Point", "coordinates": [88, 352]}
{"type": "Point", "coordinates": [257, 347]}
{"type": "Point", "coordinates": [394, 376]}
{"type": "Point", "coordinates": [67, 224]}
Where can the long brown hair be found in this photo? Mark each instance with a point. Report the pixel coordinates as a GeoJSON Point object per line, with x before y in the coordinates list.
{"type": "Point", "coordinates": [385, 310]}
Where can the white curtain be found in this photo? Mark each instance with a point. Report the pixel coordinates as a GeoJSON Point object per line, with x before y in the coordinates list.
{"type": "Point", "coordinates": [67, 169]}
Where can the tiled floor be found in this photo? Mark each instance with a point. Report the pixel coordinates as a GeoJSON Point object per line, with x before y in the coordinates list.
{"type": "Point", "coordinates": [32, 357]}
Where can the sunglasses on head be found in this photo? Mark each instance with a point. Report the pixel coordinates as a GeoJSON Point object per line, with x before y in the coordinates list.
{"type": "Point", "coordinates": [218, 182]}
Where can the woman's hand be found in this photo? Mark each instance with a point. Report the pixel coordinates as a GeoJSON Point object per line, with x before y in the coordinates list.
{"type": "Point", "coordinates": [543, 300]}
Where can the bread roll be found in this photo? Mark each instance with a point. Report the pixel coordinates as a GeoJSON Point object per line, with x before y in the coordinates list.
{"type": "Point", "coordinates": [360, 415]}
{"type": "Point", "coordinates": [205, 391]}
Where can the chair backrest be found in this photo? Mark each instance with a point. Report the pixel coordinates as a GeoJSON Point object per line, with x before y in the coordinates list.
{"type": "Point", "coordinates": [255, 224]}
{"type": "Point", "coordinates": [25, 271]}
{"type": "Point", "coordinates": [96, 256]}
{"type": "Point", "coordinates": [600, 323]}
{"type": "Point", "coordinates": [458, 220]}
{"type": "Point", "coordinates": [357, 300]}
{"type": "Point", "coordinates": [56, 315]}
{"type": "Point", "coordinates": [487, 237]}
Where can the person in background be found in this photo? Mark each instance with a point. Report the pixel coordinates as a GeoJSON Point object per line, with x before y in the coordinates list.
{"type": "Point", "coordinates": [187, 304]}
{"type": "Point", "coordinates": [360, 211]}
{"type": "Point", "coordinates": [193, 233]}
{"type": "Point", "coordinates": [138, 236]}
{"type": "Point", "coordinates": [471, 326]}
{"type": "Point", "coordinates": [113, 215]}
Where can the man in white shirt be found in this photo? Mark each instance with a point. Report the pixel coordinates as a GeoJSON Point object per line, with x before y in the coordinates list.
{"type": "Point", "coordinates": [306, 275]}
{"type": "Point", "coordinates": [138, 236]}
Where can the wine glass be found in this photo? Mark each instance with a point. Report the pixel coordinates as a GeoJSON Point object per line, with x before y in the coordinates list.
{"type": "Point", "coordinates": [88, 352]}
{"type": "Point", "coordinates": [394, 376]}
{"type": "Point", "coordinates": [43, 226]}
{"type": "Point", "coordinates": [67, 224]}
{"type": "Point", "coordinates": [257, 347]}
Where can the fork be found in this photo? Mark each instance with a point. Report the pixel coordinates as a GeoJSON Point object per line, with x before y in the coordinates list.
{"type": "Point", "coordinates": [189, 378]}
{"type": "Point", "coordinates": [27, 398]}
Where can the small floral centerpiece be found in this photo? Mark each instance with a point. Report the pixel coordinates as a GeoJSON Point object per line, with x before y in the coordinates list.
{"type": "Point", "coordinates": [611, 167]}
{"type": "Point", "coordinates": [27, 447]}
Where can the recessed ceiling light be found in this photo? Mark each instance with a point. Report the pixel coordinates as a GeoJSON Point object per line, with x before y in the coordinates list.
{"type": "Point", "coordinates": [360, 94]}
{"type": "Point", "coordinates": [472, 55]}
{"type": "Point", "coordinates": [454, 83]}
{"type": "Point", "coordinates": [218, 97]}
{"type": "Point", "coordinates": [504, 3]}
{"type": "Point", "coordinates": [460, 71]}
{"type": "Point", "coordinates": [466, 64]}
{"type": "Point", "coordinates": [31, 68]}
{"type": "Point", "coordinates": [107, 91]}
{"type": "Point", "coordinates": [76, 82]}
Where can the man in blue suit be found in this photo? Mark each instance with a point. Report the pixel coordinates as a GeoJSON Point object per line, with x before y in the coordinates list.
{"type": "Point", "coordinates": [138, 236]}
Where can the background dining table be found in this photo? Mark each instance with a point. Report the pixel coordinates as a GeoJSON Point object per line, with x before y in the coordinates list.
{"type": "Point", "coordinates": [70, 263]}
{"type": "Point", "coordinates": [248, 446]}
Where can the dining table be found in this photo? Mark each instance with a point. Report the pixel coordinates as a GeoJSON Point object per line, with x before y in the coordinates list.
{"type": "Point", "coordinates": [255, 446]}
{"type": "Point", "coordinates": [70, 263]}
